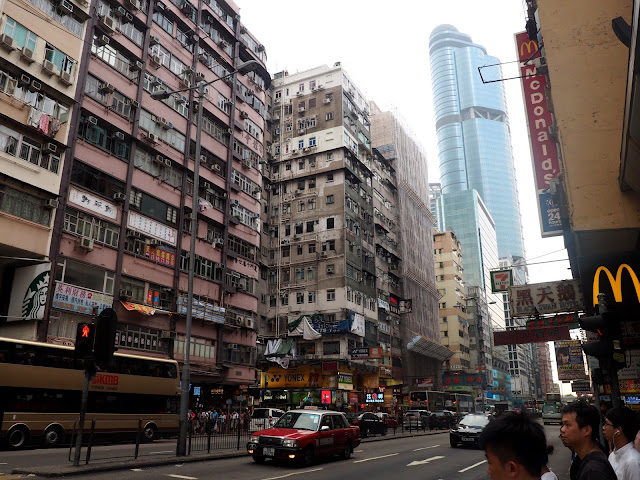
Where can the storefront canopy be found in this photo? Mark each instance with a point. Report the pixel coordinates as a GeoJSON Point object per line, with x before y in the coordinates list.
{"type": "Point", "coordinates": [428, 348]}
{"type": "Point", "coordinates": [138, 308]}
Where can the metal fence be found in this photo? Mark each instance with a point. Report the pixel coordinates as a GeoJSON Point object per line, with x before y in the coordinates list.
{"type": "Point", "coordinates": [210, 436]}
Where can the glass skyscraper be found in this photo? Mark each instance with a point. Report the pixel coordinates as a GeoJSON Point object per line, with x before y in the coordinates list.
{"type": "Point", "coordinates": [474, 142]}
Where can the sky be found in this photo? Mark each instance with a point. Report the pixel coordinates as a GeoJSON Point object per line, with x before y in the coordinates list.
{"type": "Point", "coordinates": [384, 46]}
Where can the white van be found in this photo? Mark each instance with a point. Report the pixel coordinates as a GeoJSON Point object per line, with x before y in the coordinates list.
{"type": "Point", "coordinates": [264, 418]}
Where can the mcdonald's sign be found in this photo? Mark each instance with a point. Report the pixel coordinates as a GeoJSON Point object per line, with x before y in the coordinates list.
{"type": "Point", "coordinates": [616, 277]}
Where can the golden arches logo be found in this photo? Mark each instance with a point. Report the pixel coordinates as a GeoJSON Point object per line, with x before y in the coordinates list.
{"type": "Point", "coordinates": [531, 46]}
{"type": "Point", "coordinates": [616, 283]}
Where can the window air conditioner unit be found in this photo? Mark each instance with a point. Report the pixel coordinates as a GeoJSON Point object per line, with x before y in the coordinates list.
{"type": "Point", "coordinates": [216, 167]}
{"type": "Point", "coordinates": [326, 101]}
{"type": "Point", "coordinates": [246, 163]}
{"type": "Point", "coordinates": [24, 79]}
{"type": "Point", "coordinates": [204, 57]}
{"type": "Point", "coordinates": [120, 11]}
{"type": "Point", "coordinates": [135, 4]}
{"type": "Point", "coordinates": [329, 269]}
{"type": "Point", "coordinates": [66, 7]}
{"type": "Point", "coordinates": [126, 294]}
{"type": "Point", "coordinates": [155, 59]}
{"type": "Point", "coordinates": [167, 163]}
{"type": "Point", "coordinates": [107, 23]}
{"type": "Point", "coordinates": [181, 99]}
{"type": "Point", "coordinates": [185, 82]}
{"type": "Point", "coordinates": [217, 242]}
{"type": "Point", "coordinates": [119, 197]}
{"type": "Point", "coordinates": [48, 67]}
{"type": "Point", "coordinates": [128, 17]}
{"type": "Point", "coordinates": [156, 82]}
{"type": "Point", "coordinates": [233, 346]}
{"type": "Point", "coordinates": [301, 110]}
{"type": "Point", "coordinates": [166, 124]}
{"type": "Point", "coordinates": [250, 323]}
{"type": "Point", "coordinates": [206, 185]}
{"type": "Point", "coordinates": [244, 114]}
{"type": "Point", "coordinates": [65, 77]}
{"type": "Point", "coordinates": [136, 66]}
{"type": "Point", "coordinates": [135, 104]}
{"type": "Point", "coordinates": [102, 40]}
{"type": "Point", "coordinates": [107, 88]}
{"type": "Point", "coordinates": [120, 135]}
{"type": "Point", "coordinates": [154, 41]}
{"type": "Point", "coordinates": [92, 120]}
{"type": "Point", "coordinates": [158, 159]}
{"type": "Point", "coordinates": [51, 203]}
{"type": "Point", "coordinates": [6, 41]}
{"type": "Point", "coordinates": [51, 147]}
{"type": "Point", "coordinates": [27, 55]}
{"type": "Point", "coordinates": [167, 334]}
{"type": "Point", "coordinates": [85, 243]}
{"type": "Point", "coordinates": [152, 137]}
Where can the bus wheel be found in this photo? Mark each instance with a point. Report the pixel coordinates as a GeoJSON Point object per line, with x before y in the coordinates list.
{"type": "Point", "coordinates": [150, 433]}
{"type": "Point", "coordinates": [52, 437]}
{"type": "Point", "coordinates": [18, 437]}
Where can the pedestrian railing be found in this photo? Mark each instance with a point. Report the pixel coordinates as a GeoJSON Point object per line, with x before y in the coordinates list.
{"type": "Point", "coordinates": [210, 437]}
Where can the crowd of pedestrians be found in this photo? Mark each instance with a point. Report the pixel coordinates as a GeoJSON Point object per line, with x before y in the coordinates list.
{"type": "Point", "coordinates": [204, 421]}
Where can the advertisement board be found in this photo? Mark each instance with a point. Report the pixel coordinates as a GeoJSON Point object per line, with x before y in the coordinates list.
{"type": "Point", "coordinates": [570, 360]}
{"type": "Point", "coordinates": [529, 335]}
{"type": "Point", "coordinates": [545, 298]}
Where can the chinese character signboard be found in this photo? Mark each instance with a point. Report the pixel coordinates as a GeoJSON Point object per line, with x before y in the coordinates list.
{"type": "Point", "coordinates": [569, 360]}
{"type": "Point", "coordinates": [150, 227]}
{"type": "Point", "coordinates": [528, 335]}
{"type": "Point", "coordinates": [93, 203]}
{"type": "Point", "coordinates": [544, 153]}
{"type": "Point", "coordinates": [581, 386]}
{"type": "Point", "coordinates": [501, 280]}
{"type": "Point", "coordinates": [377, 397]}
{"type": "Point", "coordinates": [543, 298]}
{"type": "Point", "coordinates": [472, 380]}
{"type": "Point", "coordinates": [79, 300]}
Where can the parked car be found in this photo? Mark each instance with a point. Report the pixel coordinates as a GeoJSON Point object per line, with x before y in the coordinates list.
{"type": "Point", "coordinates": [264, 418]}
{"type": "Point", "coordinates": [416, 419]}
{"type": "Point", "coordinates": [302, 435]}
{"type": "Point", "coordinates": [370, 424]}
{"type": "Point", "coordinates": [392, 422]}
{"type": "Point", "coordinates": [441, 420]}
{"type": "Point", "coordinates": [467, 431]}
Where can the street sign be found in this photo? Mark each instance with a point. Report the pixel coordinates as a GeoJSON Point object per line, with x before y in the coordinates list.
{"type": "Point", "coordinates": [527, 335]}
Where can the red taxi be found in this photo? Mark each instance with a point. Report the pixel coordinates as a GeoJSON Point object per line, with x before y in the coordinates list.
{"type": "Point", "coordinates": [302, 435]}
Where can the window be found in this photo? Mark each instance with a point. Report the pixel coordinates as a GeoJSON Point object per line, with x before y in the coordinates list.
{"type": "Point", "coordinates": [278, 94]}
{"type": "Point", "coordinates": [85, 276]}
{"type": "Point", "coordinates": [287, 167]}
{"type": "Point", "coordinates": [301, 164]}
{"type": "Point", "coordinates": [92, 227]}
{"type": "Point", "coordinates": [24, 205]}
{"type": "Point", "coordinates": [299, 229]}
{"type": "Point", "coordinates": [63, 62]}
{"type": "Point", "coordinates": [299, 250]}
{"type": "Point", "coordinates": [311, 273]}
{"type": "Point", "coordinates": [284, 299]}
{"type": "Point", "coordinates": [300, 144]}
{"type": "Point", "coordinates": [329, 116]}
{"type": "Point", "coordinates": [330, 199]}
{"type": "Point", "coordinates": [21, 36]}
{"type": "Point", "coordinates": [300, 273]}
{"type": "Point", "coordinates": [331, 295]}
{"type": "Point", "coordinates": [301, 87]}
{"type": "Point", "coordinates": [301, 184]}
{"type": "Point", "coordinates": [331, 348]}
{"type": "Point", "coordinates": [312, 248]}
{"type": "Point", "coordinates": [329, 175]}
{"type": "Point", "coordinates": [312, 202]}
{"type": "Point", "coordinates": [300, 298]}
{"type": "Point", "coordinates": [312, 84]}
{"type": "Point", "coordinates": [330, 222]}
{"type": "Point", "coordinates": [312, 142]}
{"type": "Point", "coordinates": [301, 206]}
{"type": "Point", "coordinates": [311, 298]}
{"type": "Point", "coordinates": [312, 103]}
{"type": "Point", "coordinates": [286, 251]}
{"type": "Point", "coordinates": [310, 225]}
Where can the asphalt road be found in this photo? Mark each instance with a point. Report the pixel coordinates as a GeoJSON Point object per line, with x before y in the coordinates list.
{"type": "Point", "coordinates": [425, 457]}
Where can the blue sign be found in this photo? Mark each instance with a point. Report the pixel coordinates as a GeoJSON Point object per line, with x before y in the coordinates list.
{"type": "Point", "coordinates": [196, 391]}
{"type": "Point", "coordinates": [550, 222]}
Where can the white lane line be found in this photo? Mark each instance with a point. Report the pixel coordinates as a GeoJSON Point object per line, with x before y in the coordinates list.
{"type": "Point", "coordinates": [136, 469]}
{"type": "Point", "coordinates": [180, 476]}
{"type": "Point", "coordinates": [163, 451]}
{"type": "Point", "coordinates": [375, 458]}
{"type": "Point", "coordinates": [293, 473]}
{"type": "Point", "coordinates": [4, 463]}
{"type": "Point", "coordinates": [422, 462]}
{"type": "Point", "coordinates": [358, 451]}
{"type": "Point", "coordinates": [424, 448]}
{"type": "Point", "coordinates": [472, 466]}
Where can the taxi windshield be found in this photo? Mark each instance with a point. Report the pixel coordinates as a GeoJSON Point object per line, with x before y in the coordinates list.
{"type": "Point", "coordinates": [299, 421]}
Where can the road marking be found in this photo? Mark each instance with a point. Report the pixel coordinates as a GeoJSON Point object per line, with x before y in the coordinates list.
{"type": "Point", "coordinates": [424, 448]}
{"type": "Point", "coordinates": [422, 462]}
{"type": "Point", "coordinates": [472, 466]}
{"type": "Point", "coordinates": [180, 476]}
{"type": "Point", "coordinates": [136, 469]}
{"type": "Point", "coordinates": [293, 473]}
{"type": "Point", "coordinates": [358, 451]}
{"type": "Point", "coordinates": [163, 451]}
{"type": "Point", "coordinates": [375, 458]}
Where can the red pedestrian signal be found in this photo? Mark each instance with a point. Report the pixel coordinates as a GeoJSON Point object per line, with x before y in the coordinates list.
{"type": "Point", "coordinates": [85, 336]}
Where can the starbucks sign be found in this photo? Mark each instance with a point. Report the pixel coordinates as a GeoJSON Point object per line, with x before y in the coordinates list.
{"type": "Point", "coordinates": [29, 293]}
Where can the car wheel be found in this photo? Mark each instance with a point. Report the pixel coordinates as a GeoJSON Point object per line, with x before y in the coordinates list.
{"type": "Point", "coordinates": [307, 458]}
{"type": "Point", "coordinates": [258, 459]}
{"type": "Point", "coordinates": [453, 444]}
{"type": "Point", "coordinates": [346, 453]}
{"type": "Point", "coordinates": [52, 436]}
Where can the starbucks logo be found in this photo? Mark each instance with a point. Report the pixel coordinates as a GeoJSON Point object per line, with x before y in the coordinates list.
{"type": "Point", "coordinates": [35, 297]}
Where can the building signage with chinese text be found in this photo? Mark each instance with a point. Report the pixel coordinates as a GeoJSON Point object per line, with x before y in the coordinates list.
{"type": "Point", "coordinates": [476, 379]}
{"type": "Point", "coordinates": [79, 300]}
{"type": "Point", "coordinates": [544, 298]}
{"type": "Point", "coordinates": [93, 203]}
{"type": "Point", "coordinates": [529, 335]}
{"type": "Point", "coordinates": [153, 228]}
{"type": "Point", "coordinates": [377, 397]}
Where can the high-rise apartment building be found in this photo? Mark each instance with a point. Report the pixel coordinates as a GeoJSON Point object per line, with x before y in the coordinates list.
{"type": "Point", "coordinates": [334, 246]}
{"type": "Point", "coordinates": [472, 125]}
{"type": "Point", "coordinates": [121, 232]}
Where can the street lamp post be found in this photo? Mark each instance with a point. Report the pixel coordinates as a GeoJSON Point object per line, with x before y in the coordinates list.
{"type": "Point", "coordinates": [245, 67]}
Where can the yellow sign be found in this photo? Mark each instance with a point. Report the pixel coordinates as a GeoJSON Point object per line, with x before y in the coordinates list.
{"type": "Point", "coordinates": [616, 283]}
{"type": "Point", "coordinates": [304, 377]}
{"type": "Point", "coordinates": [531, 46]}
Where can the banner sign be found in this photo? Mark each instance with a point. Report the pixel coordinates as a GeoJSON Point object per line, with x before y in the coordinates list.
{"type": "Point", "coordinates": [79, 300]}
{"type": "Point", "coordinates": [626, 386]}
{"type": "Point", "coordinates": [477, 379]}
{"type": "Point", "coordinates": [29, 292]}
{"type": "Point", "coordinates": [544, 153]}
{"type": "Point", "coordinates": [569, 319]}
{"type": "Point", "coordinates": [94, 203]}
{"type": "Point", "coordinates": [366, 352]}
{"type": "Point", "coordinates": [377, 397]}
{"type": "Point", "coordinates": [570, 361]}
{"type": "Point", "coordinates": [544, 298]}
{"type": "Point", "coordinates": [581, 386]}
{"type": "Point", "coordinates": [528, 335]}
{"type": "Point", "coordinates": [345, 381]}
{"type": "Point", "coordinates": [501, 280]}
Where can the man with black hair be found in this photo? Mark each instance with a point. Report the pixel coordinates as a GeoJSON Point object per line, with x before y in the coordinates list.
{"type": "Point", "coordinates": [620, 428]}
{"type": "Point", "coordinates": [579, 433]}
{"type": "Point", "coordinates": [515, 446]}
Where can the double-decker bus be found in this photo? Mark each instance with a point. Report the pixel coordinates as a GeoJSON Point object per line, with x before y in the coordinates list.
{"type": "Point", "coordinates": [426, 399]}
{"type": "Point", "coordinates": [41, 389]}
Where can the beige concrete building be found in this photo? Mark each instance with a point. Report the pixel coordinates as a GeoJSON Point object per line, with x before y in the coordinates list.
{"type": "Point", "coordinates": [454, 325]}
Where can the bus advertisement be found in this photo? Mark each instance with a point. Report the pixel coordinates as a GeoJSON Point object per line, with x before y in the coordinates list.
{"type": "Point", "coordinates": [41, 389]}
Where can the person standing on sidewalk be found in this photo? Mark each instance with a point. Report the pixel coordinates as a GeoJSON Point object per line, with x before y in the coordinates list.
{"type": "Point", "coordinates": [579, 433]}
{"type": "Point", "coordinates": [515, 446]}
{"type": "Point", "coordinates": [620, 429]}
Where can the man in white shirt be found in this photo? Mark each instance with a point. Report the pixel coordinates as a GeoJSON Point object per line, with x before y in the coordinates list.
{"type": "Point", "coordinates": [620, 428]}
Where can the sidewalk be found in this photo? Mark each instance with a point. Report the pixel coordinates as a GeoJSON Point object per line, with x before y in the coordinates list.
{"type": "Point", "coordinates": [111, 465]}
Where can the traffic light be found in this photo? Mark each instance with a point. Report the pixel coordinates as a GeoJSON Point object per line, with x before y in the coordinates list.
{"type": "Point", "coordinates": [85, 337]}
{"type": "Point", "coordinates": [105, 344]}
{"type": "Point", "coordinates": [607, 349]}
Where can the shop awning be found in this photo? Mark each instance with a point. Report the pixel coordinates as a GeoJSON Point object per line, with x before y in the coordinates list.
{"type": "Point", "coordinates": [428, 348]}
{"type": "Point", "coordinates": [138, 308]}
